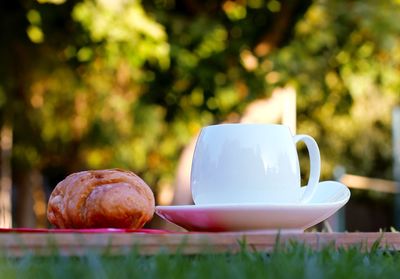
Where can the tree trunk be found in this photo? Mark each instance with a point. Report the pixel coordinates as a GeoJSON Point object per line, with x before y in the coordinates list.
{"type": "Point", "coordinates": [6, 135]}
{"type": "Point", "coordinates": [30, 207]}
{"type": "Point", "coordinates": [280, 29]}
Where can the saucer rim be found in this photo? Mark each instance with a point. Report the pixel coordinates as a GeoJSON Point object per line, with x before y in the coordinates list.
{"type": "Point", "coordinates": [226, 206]}
{"type": "Point", "coordinates": [248, 206]}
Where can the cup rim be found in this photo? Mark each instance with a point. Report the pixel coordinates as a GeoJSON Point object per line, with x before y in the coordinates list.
{"type": "Point", "coordinates": [246, 124]}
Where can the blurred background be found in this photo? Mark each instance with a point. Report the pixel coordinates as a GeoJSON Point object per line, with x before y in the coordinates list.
{"type": "Point", "coordinates": [98, 84]}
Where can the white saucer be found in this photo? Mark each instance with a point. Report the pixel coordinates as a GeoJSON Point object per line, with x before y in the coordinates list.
{"type": "Point", "coordinates": [329, 197]}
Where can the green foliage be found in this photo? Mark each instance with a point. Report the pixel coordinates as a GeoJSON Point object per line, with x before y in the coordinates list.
{"type": "Point", "coordinates": [342, 65]}
{"type": "Point", "coordinates": [128, 83]}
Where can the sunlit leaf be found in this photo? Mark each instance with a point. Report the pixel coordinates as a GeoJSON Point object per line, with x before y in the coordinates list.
{"type": "Point", "coordinates": [34, 17]}
{"type": "Point", "coordinates": [35, 34]}
{"type": "Point", "coordinates": [57, 2]}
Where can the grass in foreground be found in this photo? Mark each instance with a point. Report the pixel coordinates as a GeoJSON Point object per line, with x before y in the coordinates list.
{"type": "Point", "coordinates": [293, 261]}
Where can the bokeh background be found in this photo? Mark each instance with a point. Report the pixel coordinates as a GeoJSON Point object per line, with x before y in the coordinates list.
{"type": "Point", "coordinates": [123, 83]}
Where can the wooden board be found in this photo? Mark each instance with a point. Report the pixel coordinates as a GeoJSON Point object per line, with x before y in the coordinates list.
{"type": "Point", "coordinates": [19, 244]}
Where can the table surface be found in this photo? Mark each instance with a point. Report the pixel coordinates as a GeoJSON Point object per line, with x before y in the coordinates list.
{"type": "Point", "coordinates": [18, 244]}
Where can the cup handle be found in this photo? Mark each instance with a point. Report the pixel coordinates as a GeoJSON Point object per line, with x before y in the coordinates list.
{"type": "Point", "coordinates": [315, 165]}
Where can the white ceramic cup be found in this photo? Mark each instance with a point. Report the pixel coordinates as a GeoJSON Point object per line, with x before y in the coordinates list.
{"type": "Point", "coordinates": [251, 164]}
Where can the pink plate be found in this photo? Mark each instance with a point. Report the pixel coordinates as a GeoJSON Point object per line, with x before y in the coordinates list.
{"type": "Point", "coordinates": [105, 230]}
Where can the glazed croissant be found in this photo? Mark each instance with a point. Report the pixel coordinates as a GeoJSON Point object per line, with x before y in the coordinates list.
{"type": "Point", "coordinates": [111, 198]}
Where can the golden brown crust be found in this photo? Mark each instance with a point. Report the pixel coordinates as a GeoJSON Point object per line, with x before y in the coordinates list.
{"type": "Point", "coordinates": [101, 198]}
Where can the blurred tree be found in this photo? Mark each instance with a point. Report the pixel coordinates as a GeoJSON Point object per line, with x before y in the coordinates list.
{"type": "Point", "coordinates": [339, 55]}
{"type": "Point", "coordinates": [12, 85]}
{"type": "Point", "coordinates": [70, 93]}
{"type": "Point", "coordinates": [100, 84]}
{"type": "Point", "coordinates": [344, 61]}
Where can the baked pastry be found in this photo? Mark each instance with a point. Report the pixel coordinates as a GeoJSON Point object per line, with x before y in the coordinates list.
{"type": "Point", "coordinates": [111, 198]}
